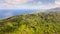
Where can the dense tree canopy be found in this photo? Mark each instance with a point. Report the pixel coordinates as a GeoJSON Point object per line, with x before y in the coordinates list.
{"type": "Point", "coordinates": [37, 23]}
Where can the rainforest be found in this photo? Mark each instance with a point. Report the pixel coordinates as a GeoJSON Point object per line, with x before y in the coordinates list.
{"type": "Point", "coordinates": [36, 23]}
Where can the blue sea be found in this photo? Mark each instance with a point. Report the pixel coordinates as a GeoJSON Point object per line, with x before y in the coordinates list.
{"type": "Point", "coordinates": [5, 13]}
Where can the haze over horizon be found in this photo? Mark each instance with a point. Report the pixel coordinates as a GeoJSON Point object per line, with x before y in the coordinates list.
{"type": "Point", "coordinates": [10, 5]}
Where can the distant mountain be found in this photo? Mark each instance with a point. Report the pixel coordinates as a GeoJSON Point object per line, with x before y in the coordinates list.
{"type": "Point", "coordinates": [55, 9]}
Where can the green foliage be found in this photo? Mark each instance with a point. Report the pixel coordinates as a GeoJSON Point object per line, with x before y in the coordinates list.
{"type": "Point", "coordinates": [37, 23]}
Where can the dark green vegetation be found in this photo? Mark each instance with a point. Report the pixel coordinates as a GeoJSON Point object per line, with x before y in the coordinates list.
{"type": "Point", "coordinates": [37, 23]}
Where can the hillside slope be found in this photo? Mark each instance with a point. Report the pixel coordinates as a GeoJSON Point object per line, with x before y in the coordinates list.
{"type": "Point", "coordinates": [37, 23]}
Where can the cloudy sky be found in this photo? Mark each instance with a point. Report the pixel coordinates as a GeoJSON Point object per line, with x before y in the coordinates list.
{"type": "Point", "coordinates": [25, 4]}
{"type": "Point", "coordinates": [29, 4]}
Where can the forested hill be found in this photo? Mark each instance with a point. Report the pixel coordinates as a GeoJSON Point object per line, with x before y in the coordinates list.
{"type": "Point", "coordinates": [37, 23]}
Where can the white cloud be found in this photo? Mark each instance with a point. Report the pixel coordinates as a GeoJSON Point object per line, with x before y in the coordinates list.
{"type": "Point", "coordinates": [17, 4]}
{"type": "Point", "coordinates": [37, 3]}
{"type": "Point", "coordinates": [21, 4]}
{"type": "Point", "coordinates": [57, 3]}
{"type": "Point", "coordinates": [17, 1]}
{"type": "Point", "coordinates": [13, 3]}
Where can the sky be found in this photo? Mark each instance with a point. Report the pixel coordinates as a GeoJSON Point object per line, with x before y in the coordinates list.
{"type": "Point", "coordinates": [29, 4]}
{"type": "Point", "coordinates": [25, 5]}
